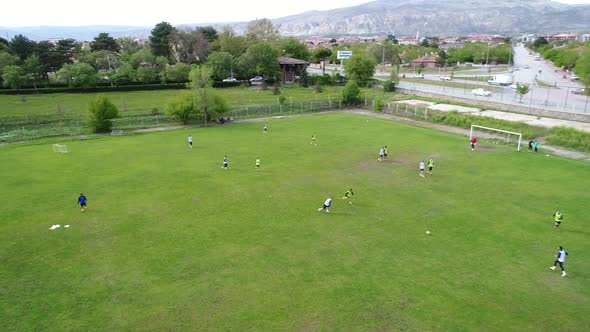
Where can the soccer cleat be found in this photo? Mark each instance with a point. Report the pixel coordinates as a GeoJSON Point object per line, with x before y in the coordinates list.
{"type": "Point", "coordinates": [320, 209]}
{"type": "Point", "coordinates": [563, 274]}
{"type": "Point", "coordinates": [327, 211]}
{"type": "Point", "coordinates": [552, 268]}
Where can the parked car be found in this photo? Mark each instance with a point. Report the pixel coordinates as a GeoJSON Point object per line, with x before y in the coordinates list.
{"type": "Point", "coordinates": [526, 66]}
{"type": "Point", "coordinates": [513, 86]}
{"type": "Point", "coordinates": [581, 91]}
{"type": "Point", "coordinates": [418, 76]}
{"type": "Point", "coordinates": [445, 78]}
{"type": "Point", "coordinates": [481, 92]}
{"type": "Point", "coordinates": [574, 78]}
{"type": "Point", "coordinates": [256, 79]}
{"type": "Point", "coordinates": [230, 79]}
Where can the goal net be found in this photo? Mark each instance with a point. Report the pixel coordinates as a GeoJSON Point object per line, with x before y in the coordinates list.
{"type": "Point", "coordinates": [60, 148]}
{"type": "Point", "coordinates": [496, 136]}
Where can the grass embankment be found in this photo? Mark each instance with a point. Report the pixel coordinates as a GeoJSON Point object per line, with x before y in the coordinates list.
{"type": "Point", "coordinates": [171, 241]}
{"type": "Point", "coordinates": [570, 138]}
{"type": "Point", "coordinates": [448, 84]}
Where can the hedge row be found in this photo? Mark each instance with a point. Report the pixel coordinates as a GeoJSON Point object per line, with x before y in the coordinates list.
{"type": "Point", "coordinates": [141, 87]}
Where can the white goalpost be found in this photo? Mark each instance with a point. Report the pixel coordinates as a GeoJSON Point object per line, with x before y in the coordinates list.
{"type": "Point", "coordinates": [60, 148]}
{"type": "Point", "coordinates": [503, 134]}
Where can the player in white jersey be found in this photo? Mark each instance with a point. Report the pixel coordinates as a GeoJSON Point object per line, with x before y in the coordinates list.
{"type": "Point", "coordinates": [560, 259]}
{"type": "Point", "coordinates": [422, 168]}
{"type": "Point", "coordinates": [327, 205]}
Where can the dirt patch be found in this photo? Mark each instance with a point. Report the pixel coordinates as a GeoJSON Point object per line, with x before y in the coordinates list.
{"type": "Point", "coordinates": [486, 147]}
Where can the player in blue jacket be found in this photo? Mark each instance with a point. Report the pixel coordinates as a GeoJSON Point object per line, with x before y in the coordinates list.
{"type": "Point", "coordinates": [82, 201]}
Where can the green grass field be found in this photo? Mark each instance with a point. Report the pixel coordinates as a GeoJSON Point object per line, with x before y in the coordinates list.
{"type": "Point", "coordinates": [171, 241]}
{"type": "Point", "coordinates": [145, 101]}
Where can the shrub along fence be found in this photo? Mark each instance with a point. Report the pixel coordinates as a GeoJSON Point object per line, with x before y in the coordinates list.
{"type": "Point", "coordinates": [18, 129]}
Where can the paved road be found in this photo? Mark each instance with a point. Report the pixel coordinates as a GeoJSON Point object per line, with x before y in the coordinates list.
{"type": "Point", "coordinates": [557, 98]}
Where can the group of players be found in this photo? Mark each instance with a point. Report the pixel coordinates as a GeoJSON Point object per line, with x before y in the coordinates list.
{"type": "Point", "coordinates": [383, 152]}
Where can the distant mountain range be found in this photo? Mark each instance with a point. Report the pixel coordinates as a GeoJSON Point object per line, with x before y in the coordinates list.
{"type": "Point", "coordinates": [382, 17]}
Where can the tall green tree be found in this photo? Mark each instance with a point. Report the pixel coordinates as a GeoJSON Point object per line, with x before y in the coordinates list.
{"type": "Point", "coordinates": [64, 52]}
{"type": "Point", "coordinates": [191, 46]}
{"type": "Point", "coordinates": [261, 31]}
{"type": "Point", "coordinates": [200, 82]}
{"type": "Point", "coordinates": [209, 32]}
{"type": "Point", "coordinates": [7, 59]}
{"type": "Point", "coordinates": [124, 74]}
{"type": "Point", "coordinates": [104, 42]}
{"type": "Point", "coordinates": [540, 42]}
{"type": "Point", "coordinates": [359, 68]}
{"type": "Point", "coordinates": [320, 54]}
{"type": "Point", "coordinates": [229, 41]}
{"type": "Point", "coordinates": [13, 76]}
{"type": "Point", "coordinates": [128, 45]}
{"type": "Point", "coordinates": [160, 39]}
{"type": "Point", "coordinates": [583, 67]}
{"type": "Point", "coordinates": [79, 75]}
{"type": "Point", "coordinates": [294, 48]}
{"type": "Point", "coordinates": [260, 59]}
{"type": "Point", "coordinates": [33, 70]}
{"type": "Point", "coordinates": [101, 112]}
{"type": "Point", "coordinates": [22, 46]}
{"type": "Point", "coordinates": [221, 64]}
{"type": "Point", "coordinates": [176, 73]}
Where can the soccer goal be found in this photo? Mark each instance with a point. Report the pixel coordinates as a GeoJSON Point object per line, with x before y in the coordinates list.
{"type": "Point", "coordinates": [495, 135]}
{"type": "Point", "coordinates": [61, 148]}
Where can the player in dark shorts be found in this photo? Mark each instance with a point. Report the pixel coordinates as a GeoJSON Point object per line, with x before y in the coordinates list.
{"type": "Point", "coordinates": [82, 201]}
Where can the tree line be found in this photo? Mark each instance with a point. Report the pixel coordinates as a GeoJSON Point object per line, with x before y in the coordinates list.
{"type": "Point", "coordinates": [167, 57]}
{"type": "Point", "coordinates": [573, 56]}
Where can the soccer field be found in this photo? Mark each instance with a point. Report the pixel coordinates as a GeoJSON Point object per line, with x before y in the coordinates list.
{"type": "Point", "coordinates": [171, 241]}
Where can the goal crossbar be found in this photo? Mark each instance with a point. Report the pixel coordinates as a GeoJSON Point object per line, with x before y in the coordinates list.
{"type": "Point", "coordinates": [496, 129]}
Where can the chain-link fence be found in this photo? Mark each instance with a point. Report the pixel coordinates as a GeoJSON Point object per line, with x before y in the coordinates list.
{"type": "Point", "coordinates": [554, 97]}
{"type": "Point", "coordinates": [16, 129]}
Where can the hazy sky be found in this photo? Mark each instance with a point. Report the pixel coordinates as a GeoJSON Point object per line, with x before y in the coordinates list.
{"type": "Point", "coordinates": [134, 12]}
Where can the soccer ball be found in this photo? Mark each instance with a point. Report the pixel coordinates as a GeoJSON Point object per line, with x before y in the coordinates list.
{"type": "Point", "coordinates": [427, 232]}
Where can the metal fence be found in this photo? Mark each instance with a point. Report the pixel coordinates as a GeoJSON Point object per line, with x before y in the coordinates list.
{"type": "Point", "coordinates": [17, 129]}
{"type": "Point", "coordinates": [555, 98]}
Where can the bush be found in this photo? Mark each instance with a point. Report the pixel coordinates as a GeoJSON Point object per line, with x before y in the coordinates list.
{"type": "Point", "coordinates": [282, 100]}
{"type": "Point", "coordinates": [183, 107]}
{"type": "Point", "coordinates": [218, 105]}
{"type": "Point", "coordinates": [102, 110]}
{"type": "Point", "coordinates": [221, 84]}
{"type": "Point", "coordinates": [323, 80]}
{"type": "Point", "coordinates": [377, 105]}
{"type": "Point", "coordinates": [276, 89]}
{"type": "Point", "coordinates": [389, 86]}
{"type": "Point", "coordinates": [569, 138]}
{"type": "Point", "coordinates": [351, 94]}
